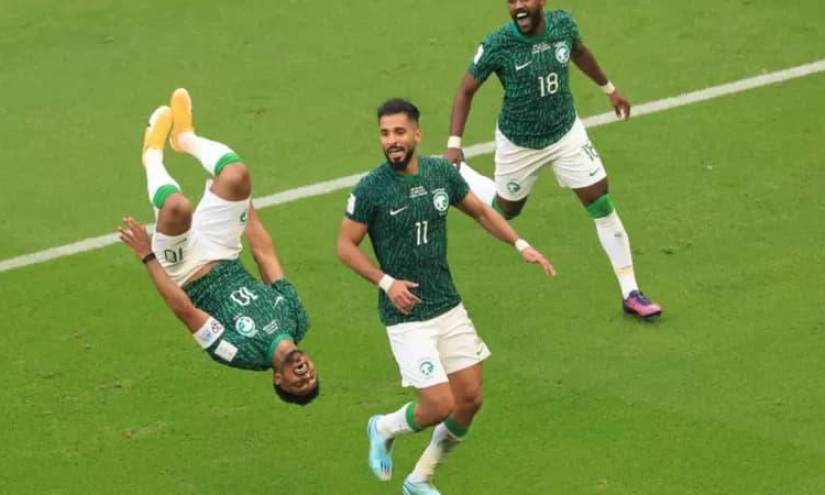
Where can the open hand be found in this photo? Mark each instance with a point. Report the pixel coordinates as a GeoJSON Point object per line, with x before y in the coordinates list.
{"type": "Point", "coordinates": [134, 235]}
{"type": "Point", "coordinates": [532, 255]}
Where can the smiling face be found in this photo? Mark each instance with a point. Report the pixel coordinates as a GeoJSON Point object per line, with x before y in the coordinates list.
{"type": "Point", "coordinates": [400, 137]}
{"type": "Point", "coordinates": [528, 15]}
{"type": "Point", "coordinates": [296, 374]}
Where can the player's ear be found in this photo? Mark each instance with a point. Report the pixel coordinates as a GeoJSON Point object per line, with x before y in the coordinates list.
{"type": "Point", "coordinates": [419, 135]}
{"type": "Point", "coordinates": [277, 378]}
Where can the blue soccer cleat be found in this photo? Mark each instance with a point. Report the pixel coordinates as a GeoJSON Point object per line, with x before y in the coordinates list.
{"type": "Point", "coordinates": [380, 458]}
{"type": "Point", "coordinates": [418, 488]}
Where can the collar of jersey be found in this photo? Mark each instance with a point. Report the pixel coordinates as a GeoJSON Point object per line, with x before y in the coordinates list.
{"type": "Point", "coordinates": [402, 176]}
{"type": "Point", "coordinates": [277, 340]}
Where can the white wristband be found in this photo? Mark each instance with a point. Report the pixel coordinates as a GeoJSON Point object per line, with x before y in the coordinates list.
{"type": "Point", "coordinates": [454, 142]}
{"type": "Point", "coordinates": [385, 282]}
{"type": "Point", "coordinates": [521, 245]}
{"type": "Point", "coordinates": [608, 88]}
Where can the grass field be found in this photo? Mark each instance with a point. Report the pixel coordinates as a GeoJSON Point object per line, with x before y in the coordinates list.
{"type": "Point", "coordinates": [102, 391]}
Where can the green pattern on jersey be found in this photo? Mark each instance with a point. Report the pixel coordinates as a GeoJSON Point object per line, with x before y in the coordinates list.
{"type": "Point", "coordinates": [538, 105]}
{"type": "Point", "coordinates": [406, 218]}
{"type": "Point", "coordinates": [255, 316]}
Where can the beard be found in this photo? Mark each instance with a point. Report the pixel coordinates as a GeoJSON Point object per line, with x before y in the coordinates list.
{"type": "Point", "coordinates": [535, 18]}
{"type": "Point", "coordinates": [400, 165]}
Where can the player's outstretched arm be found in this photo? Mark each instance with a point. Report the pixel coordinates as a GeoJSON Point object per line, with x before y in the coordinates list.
{"type": "Point", "coordinates": [349, 239]}
{"type": "Point", "coordinates": [462, 102]}
{"type": "Point", "coordinates": [263, 249]}
{"type": "Point", "coordinates": [134, 235]}
{"type": "Point", "coordinates": [496, 225]}
{"type": "Point", "coordinates": [586, 61]}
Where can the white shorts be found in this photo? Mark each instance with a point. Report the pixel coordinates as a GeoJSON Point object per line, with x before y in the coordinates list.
{"type": "Point", "coordinates": [575, 162]}
{"type": "Point", "coordinates": [215, 234]}
{"type": "Point", "coordinates": [428, 351]}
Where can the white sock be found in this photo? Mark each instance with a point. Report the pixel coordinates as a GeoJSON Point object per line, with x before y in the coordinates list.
{"type": "Point", "coordinates": [482, 186]}
{"type": "Point", "coordinates": [395, 424]}
{"type": "Point", "coordinates": [208, 152]}
{"type": "Point", "coordinates": [441, 444]}
{"type": "Point", "coordinates": [617, 246]}
{"type": "Point", "coordinates": [157, 178]}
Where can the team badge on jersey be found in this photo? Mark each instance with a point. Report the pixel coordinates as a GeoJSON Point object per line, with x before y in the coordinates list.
{"type": "Point", "coordinates": [441, 200]}
{"type": "Point", "coordinates": [246, 326]}
{"type": "Point", "coordinates": [562, 52]}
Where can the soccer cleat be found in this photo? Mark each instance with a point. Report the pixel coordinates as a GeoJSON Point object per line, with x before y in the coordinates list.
{"type": "Point", "coordinates": [160, 122]}
{"type": "Point", "coordinates": [418, 488]}
{"type": "Point", "coordinates": [380, 457]}
{"type": "Point", "coordinates": [181, 116]}
{"type": "Point", "coordinates": [639, 305]}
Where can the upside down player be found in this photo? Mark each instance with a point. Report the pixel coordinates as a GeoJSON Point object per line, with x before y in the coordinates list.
{"type": "Point", "coordinates": [538, 126]}
{"type": "Point", "coordinates": [192, 259]}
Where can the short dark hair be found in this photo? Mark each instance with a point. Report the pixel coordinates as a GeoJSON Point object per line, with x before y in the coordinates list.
{"type": "Point", "coordinates": [300, 400]}
{"type": "Point", "coordinates": [399, 105]}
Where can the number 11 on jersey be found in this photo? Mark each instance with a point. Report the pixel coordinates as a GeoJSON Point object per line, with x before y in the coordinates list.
{"type": "Point", "coordinates": [421, 232]}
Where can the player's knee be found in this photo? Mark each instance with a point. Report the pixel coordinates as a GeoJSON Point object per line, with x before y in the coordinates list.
{"type": "Point", "coordinates": [236, 177]}
{"type": "Point", "coordinates": [177, 207]}
{"type": "Point", "coordinates": [436, 411]}
{"type": "Point", "coordinates": [471, 401]}
{"type": "Point", "coordinates": [507, 209]}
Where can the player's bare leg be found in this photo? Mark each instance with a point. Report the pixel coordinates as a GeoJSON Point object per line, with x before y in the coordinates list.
{"type": "Point", "coordinates": [172, 209]}
{"type": "Point", "coordinates": [616, 245]}
{"type": "Point", "coordinates": [467, 397]}
{"type": "Point", "coordinates": [232, 181]}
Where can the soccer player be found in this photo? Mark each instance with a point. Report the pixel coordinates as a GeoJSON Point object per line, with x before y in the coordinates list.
{"type": "Point", "coordinates": [192, 259]}
{"type": "Point", "coordinates": [538, 126]}
{"type": "Point", "coordinates": [403, 206]}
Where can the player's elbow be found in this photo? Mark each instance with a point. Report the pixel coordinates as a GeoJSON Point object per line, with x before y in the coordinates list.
{"type": "Point", "coordinates": [343, 249]}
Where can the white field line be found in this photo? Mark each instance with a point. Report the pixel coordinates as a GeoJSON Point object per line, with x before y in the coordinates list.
{"type": "Point", "coordinates": [325, 187]}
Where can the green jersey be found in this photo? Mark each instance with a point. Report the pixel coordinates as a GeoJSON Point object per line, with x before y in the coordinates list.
{"type": "Point", "coordinates": [255, 316]}
{"type": "Point", "coordinates": [406, 217]}
{"type": "Point", "coordinates": [538, 105]}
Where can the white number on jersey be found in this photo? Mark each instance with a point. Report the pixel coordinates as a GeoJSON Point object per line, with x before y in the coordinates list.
{"type": "Point", "coordinates": [549, 85]}
{"type": "Point", "coordinates": [243, 296]}
{"type": "Point", "coordinates": [421, 232]}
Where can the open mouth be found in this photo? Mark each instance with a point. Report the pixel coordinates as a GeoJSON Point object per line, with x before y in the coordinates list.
{"type": "Point", "coordinates": [396, 153]}
{"type": "Point", "coordinates": [523, 19]}
{"type": "Point", "coordinates": [301, 368]}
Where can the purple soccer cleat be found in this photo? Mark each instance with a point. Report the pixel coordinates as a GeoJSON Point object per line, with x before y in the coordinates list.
{"type": "Point", "coordinates": [639, 305]}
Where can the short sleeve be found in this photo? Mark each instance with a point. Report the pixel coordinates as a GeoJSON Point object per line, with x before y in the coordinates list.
{"type": "Point", "coordinates": [359, 207]}
{"type": "Point", "coordinates": [458, 188]}
{"type": "Point", "coordinates": [567, 23]}
{"type": "Point", "coordinates": [484, 62]}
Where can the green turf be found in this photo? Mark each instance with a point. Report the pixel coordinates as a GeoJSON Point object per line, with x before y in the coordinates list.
{"type": "Point", "coordinates": [102, 391]}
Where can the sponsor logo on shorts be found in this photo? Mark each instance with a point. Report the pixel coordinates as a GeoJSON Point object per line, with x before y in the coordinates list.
{"type": "Point", "coordinates": [246, 326]}
{"type": "Point", "coordinates": [244, 216]}
{"type": "Point", "coordinates": [441, 201]}
{"type": "Point", "coordinates": [513, 187]}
